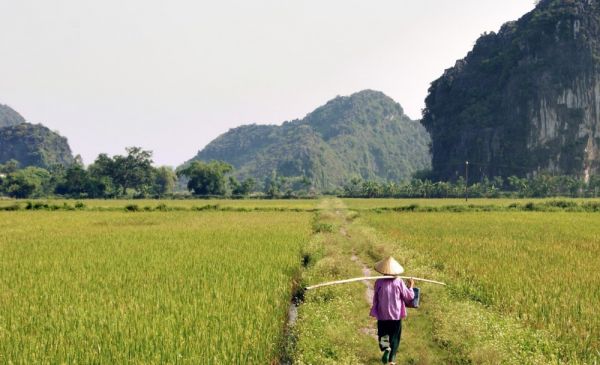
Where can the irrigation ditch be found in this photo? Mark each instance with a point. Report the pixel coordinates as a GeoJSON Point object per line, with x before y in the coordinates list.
{"type": "Point", "coordinates": [290, 337]}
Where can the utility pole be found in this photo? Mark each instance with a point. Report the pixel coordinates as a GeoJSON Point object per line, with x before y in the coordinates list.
{"type": "Point", "coordinates": [466, 181]}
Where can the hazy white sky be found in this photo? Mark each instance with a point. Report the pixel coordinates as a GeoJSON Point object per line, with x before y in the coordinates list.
{"type": "Point", "coordinates": [170, 76]}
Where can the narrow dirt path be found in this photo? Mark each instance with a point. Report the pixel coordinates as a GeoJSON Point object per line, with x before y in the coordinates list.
{"type": "Point", "coordinates": [418, 345]}
{"type": "Point", "coordinates": [366, 272]}
{"type": "Point", "coordinates": [333, 325]}
{"type": "Point", "coordinates": [369, 292]}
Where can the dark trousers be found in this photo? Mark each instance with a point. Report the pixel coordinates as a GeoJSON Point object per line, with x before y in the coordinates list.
{"type": "Point", "coordinates": [393, 329]}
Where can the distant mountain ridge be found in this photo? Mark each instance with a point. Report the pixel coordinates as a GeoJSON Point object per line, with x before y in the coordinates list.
{"type": "Point", "coordinates": [365, 135]}
{"type": "Point", "coordinates": [31, 144]}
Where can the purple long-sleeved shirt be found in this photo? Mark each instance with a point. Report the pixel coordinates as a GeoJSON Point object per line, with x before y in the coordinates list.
{"type": "Point", "coordinates": [388, 299]}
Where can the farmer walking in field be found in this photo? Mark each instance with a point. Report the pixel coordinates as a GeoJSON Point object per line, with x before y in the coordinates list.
{"type": "Point", "coordinates": [389, 307]}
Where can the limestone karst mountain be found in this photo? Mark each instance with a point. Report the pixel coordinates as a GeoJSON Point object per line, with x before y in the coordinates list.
{"type": "Point", "coordinates": [364, 135]}
{"type": "Point", "coordinates": [9, 117]}
{"type": "Point", "coordinates": [524, 100]}
{"type": "Point", "coordinates": [30, 144]}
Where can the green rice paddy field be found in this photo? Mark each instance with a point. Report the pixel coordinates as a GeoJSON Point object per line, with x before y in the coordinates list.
{"type": "Point", "coordinates": [540, 268]}
{"type": "Point", "coordinates": [175, 287]}
{"type": "Point", "coordinates": [214, 286]}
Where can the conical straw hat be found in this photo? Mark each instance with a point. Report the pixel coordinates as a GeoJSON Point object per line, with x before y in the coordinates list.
{"type": "Point", "coordinates": [389, 266]}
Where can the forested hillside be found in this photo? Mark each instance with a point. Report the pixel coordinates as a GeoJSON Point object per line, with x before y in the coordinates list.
{"type": "Point", "coordinates": [33, 145]}
{"type": "Point", "coordinates": [365, 135]}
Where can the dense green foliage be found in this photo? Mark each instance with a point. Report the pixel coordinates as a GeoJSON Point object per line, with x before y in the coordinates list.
{"type": "Point", "coordinates": [364, 135]}
{"type": "Point", "coordinates": [9, 117]}
{"type": "Point", "coordinates": [524, 99]}
{"type": "Point", "coordinates": [207, 178]}
{"type": "Point", "coordinates": [133, 170]}
{"type": "Point", "coordinates": [31, 181]}
{"type": "Point", "coordinates": [540, 186]}
{"type": "Point", "coordinates": [164, 181]}
{"type": "Point", "coordinates": [34, 145]}
{"type": "Point", "coordinates": [131, 174]}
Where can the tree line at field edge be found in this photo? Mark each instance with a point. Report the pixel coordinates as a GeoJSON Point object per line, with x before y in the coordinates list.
{"type": "Point", "coordinates": [133, 176]}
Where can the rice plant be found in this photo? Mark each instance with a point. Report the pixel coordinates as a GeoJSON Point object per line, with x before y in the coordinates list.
{"type": "Point", "coordinates": [539, 268]}
{"type": "Point", "coordinates": [116, 287]}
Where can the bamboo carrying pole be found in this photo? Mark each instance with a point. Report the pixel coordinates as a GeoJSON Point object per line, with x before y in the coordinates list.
{"type": "Point", "coordinates": [370, 278]}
